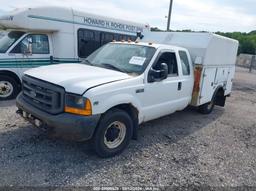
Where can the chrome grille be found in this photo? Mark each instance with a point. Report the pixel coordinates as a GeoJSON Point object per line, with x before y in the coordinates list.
{"type": "Point", "coordinates": [43, 95]}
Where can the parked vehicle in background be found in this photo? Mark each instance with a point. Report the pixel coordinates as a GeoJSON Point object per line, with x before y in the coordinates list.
{"type": "Point", "coordinates": [50, 35]}
{"type": "Point", "coordinates": [124, 84]}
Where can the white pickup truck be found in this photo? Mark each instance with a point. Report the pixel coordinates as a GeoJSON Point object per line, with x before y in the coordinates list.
{"type": "Point", "coordinates": [124, 84]}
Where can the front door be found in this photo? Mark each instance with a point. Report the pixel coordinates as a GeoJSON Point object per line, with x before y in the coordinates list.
{"type": "Point", "coordinates": [163, 97]}
{"type": "Point", "coordinates": [32, 51]}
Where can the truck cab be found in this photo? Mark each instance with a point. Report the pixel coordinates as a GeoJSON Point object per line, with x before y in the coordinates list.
{"type": "Point", "coordinates": [105, 98]}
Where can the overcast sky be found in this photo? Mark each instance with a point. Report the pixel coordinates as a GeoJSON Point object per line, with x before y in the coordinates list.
{"type": "Point", "coordinates": [207, 15]}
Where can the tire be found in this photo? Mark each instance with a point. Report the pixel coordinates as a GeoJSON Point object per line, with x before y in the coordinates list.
{"type": "Point", "coordinates": [113, 133]}
{"type": "Point", "coordinates": [207, 108]}
{"type": "Point", "coordinates": [9, 88]}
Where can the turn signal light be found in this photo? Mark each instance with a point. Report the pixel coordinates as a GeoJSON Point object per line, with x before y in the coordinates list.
{"type": "Point", "coordinates": [87, 110]}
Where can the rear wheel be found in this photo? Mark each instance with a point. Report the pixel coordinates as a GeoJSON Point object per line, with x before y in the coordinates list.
{"type": "Point", "coordinates": [208, 107]}
{"type": "Point", "coordinates": [9, 88]}
{"type": "Point", "coordinates": [113, 133]}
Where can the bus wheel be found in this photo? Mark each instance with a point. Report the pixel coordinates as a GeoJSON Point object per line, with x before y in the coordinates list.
{"type": "Point", "coordinates": [9, 88]}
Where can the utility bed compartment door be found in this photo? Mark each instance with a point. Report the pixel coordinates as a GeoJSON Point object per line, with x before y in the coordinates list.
{"type": "Point", "coordinates": [211, 78]}
{"type": "Point", "coordinates": [207, 88]}
{"type": "Point", "coordinates": [222, 75]}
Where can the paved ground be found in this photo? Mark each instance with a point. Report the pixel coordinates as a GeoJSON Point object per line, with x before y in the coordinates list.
{"type": "Point", "coordinates": [181, 149]}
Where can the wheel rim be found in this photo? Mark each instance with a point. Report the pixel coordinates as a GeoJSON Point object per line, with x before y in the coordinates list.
{"type": "Point", "coordinates": [115, 135]}
{"type": "Point", "coordinates": [6, 89]}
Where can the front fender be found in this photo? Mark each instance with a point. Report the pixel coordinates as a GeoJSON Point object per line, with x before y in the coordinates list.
{"type": "Point", "coordinates": [119, 99]}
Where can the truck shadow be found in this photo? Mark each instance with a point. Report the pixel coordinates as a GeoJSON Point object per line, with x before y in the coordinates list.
{"type": "Point", "coordinates": [54, 162]}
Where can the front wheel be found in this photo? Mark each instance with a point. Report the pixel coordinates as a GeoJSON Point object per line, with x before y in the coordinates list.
{"type": "Point", "coordinates": [113, 134]}
{"type": "Point", "coordinates": [9, 88]}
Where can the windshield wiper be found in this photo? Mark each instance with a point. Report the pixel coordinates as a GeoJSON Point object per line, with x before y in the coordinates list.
{"type": "Point", "coordinates": [113, 67]}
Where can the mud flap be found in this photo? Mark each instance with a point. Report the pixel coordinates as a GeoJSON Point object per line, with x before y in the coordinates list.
{"type": "Point", "coordinates": [220, 101]}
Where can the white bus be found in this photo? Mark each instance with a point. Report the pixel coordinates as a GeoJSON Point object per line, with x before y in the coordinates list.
{"type": "Point", "coordinates": [51, 35]}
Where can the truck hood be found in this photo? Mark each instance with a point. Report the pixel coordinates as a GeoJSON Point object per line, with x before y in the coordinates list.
{"type": "Point", "coordinates": [76, 78]}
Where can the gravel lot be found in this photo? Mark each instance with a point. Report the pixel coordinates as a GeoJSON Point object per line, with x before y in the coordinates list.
{"type": "Point", "coordinates": [182, 149]}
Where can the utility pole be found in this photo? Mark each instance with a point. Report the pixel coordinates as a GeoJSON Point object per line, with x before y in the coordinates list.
{"type": "Point", "coordinates": [169, 15]}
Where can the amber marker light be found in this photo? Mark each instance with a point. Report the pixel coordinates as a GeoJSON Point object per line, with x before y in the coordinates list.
{"type": "Point", "coordinates": [78, 105]}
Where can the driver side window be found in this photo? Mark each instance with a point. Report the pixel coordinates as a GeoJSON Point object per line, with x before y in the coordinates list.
{"type": "Point", "coordinates": [170, 59]}
{"type": "Point", "coordinates": [34, 44]}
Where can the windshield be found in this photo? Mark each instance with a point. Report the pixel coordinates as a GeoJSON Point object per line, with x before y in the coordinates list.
{"type": "Point", "coordinates": [127, 58]}
{"type": "Point", "coordinates": [9, 39]}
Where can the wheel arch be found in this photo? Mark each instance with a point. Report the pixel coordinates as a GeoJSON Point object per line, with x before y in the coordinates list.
{"type": "Point", "coordinates": [133, 112]}
{"type": "Point", "coordinates": [12, 75]}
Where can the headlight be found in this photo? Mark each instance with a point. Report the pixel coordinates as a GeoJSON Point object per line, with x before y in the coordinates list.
{"type": "Point", "coordinates": [77, 105]}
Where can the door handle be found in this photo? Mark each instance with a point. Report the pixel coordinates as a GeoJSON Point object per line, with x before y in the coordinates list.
{"type": "Point", "coordinates": [179, 86]}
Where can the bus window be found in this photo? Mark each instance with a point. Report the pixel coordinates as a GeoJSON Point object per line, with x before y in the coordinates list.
{"type": "Point", "coordinates": [121, 37]}
{"type": "Point", "coordinates": [133, 38]}
{"type": "Point", "coordinates": [126, 37]}
{"type": "Point", "coordinates": [88, 41]}
{"type": "Point", "coordinates": [107, 37]}
{"type": "Point", "coordinates": [9, 39]}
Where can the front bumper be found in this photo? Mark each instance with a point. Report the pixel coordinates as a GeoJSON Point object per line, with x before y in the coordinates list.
{"type": "Point", "coordinates": [64, 125]}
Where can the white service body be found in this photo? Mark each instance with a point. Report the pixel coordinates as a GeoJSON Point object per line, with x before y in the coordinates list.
{"type": "Point", "coordinates": [215, 56]}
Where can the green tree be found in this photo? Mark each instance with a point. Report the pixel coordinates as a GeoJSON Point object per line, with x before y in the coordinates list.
{"type": "Point", "coordinates": [247, 41]}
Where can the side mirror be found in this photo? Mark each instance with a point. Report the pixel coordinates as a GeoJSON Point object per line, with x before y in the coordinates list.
{"type": "Point", "coordinates": [27, 50]}
{"type": "Point", "coordinates": [26, 47]}
{"type": "Point", "coordinates": [158, 75]}
{"type": "Point", "coordinates": [30, 48]}
{"type": "Point", "coordinates": [140, 35]}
